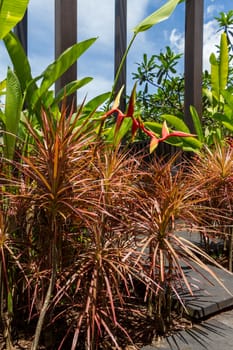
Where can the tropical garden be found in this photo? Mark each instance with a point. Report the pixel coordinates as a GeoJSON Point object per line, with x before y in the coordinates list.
{"type": "Point", "coordinates": [91, 255]}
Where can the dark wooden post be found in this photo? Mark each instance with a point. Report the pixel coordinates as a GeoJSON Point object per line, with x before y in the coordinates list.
{"type": "Point", "coordinates": [193, 58]}
{"type": "Point", "coordinates": [120, 47]}
{"type": "Point", "coordinates": [21, 31]}
{"type": "Point", "coordinates": [66, 36]}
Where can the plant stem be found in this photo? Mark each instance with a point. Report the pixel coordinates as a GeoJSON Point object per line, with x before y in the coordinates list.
{"type": "Point", "coordinates": [119, 70]}
{"type": "Point", "coordinates": [230, 247]}
{"type": "Point", "coordinates": [46, 301]}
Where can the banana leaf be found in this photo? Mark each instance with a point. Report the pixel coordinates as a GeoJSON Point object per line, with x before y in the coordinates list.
{"type": "Point", "coordinates": [176, 122]}
{"type": "Point", "coordinates": [197, 123]}
{"type": "Point", "coordinates": [158, 16]}
{"type": "Point", "coordinates": [13, 109]}
{"type": "Point", "coordinates": [60, 66]}
{"type": "Point", "coordinates": [20, 62]}
{"type": "Point", "coordinates": [69, 89]}
{"type": "Point", "coordinates": [11, 12]}
{"type": "Point", "coordinates": [223, 62]}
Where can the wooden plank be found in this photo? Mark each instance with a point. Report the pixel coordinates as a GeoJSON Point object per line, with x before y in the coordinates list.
{"type": "Point", "coordinates": [66, 36]}
{"type": "Point", "coordinates": [193, 58]}
{"type": "Point", "coordinates": [120, 47]}
{"type": "Point", "coordinates": [21, 31]}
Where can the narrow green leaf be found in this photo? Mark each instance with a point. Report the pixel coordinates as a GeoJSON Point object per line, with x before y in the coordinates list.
{"type": "Point", "coordinates": [117, 138]}
{"type": "Point", "coordinates": [154, 126]}
{"type": "Point", "coordinates": [2, 119]}
{"type": "Point", "coordinates": [12, 112]}
{"type": "Point", "coordinates": [228, 125]}
{"type": "Point", "coordinates": [70, 89]}
{"type": "Point", "coordinates": [223, 64]}
{"type": "Point", "coordinates": [220, 117]}
{"type": "Point", "coordinates": [176, 122]}
{"type": "Point", "coordinates": [2, 87]}
{"type": "Point", "coordinates": [225, 119]}
{"type": "Point", "coordinates": [60, 66]}
{"type": "Point", "coordinates": [9, 303]}
{"type": "Point", "coordinates": [94, 103]}
{"type": "Point", "coordinates": [214, 66]}
{"type": "Point", "coordinates": [197, 123]}
{"type": "Point", "coordinates": [158, 16]}
{"type": "Point", "coordinates": [19, 60]}
{"type": "Point", "coordinates": [191, 144]}
{"type": "Point", "coordinates": [11, 12]}
{"type": "Point", "coordinates": [228, 96]}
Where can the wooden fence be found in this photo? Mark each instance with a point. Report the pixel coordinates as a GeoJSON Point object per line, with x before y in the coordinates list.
{"type": "Point", "coordinates": [66, 21]}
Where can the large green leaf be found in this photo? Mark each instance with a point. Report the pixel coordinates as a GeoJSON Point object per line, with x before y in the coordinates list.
{"type": "Point", "coordinates": [13, 109]}
{"type": "Point", "coordinates": [219, 69]}
{"type": "Point", "coordinates": [3, 87]}
{"type": "Point", "coordinates": [214, 65]}
{"type": "Point", "coordinates": [19, 60]}
{"type": "Point", "coordinates": [95, 102]}
{"type": "Point", "coordinates": [158, 16]}
{"type": "Point", "coordinates": [70, 88]}
{"type": "Point", "coordinates": [191, 144]}
{"type": "Point", "coordinates": [116, 138]}
{"type": "Point", "coordinates": [154, 126]}
{"type": "Point", "coordinates": [11, 12]}
{"type": "Point", "coordinates": [228, 96]}
{"type": "Point", "coordinates": [60, 66]}
{"type": "Point", "coordinates": [176, 122]}
{"type": "Point", "coordinates": [197, 123]}
{"type": "Point", "coordinates": [225, 120]}
{"type": "Point", "coordinates": [185, 143]}
{"type": "Point", "coordinates": [223, 64]}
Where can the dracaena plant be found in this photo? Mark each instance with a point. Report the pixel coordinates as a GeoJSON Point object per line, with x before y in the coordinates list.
{"type": "Point", "coordinates": [212, 170]}
{"type": "Point", "coordinates": [70, 214]}
{"type": "Point", "coordinates": [101, 282]}
{"type": "Point", "coordinates": [53, 165]}
{"type": "Point", "coordinates": [95, 225]}
{"type": "Point", "coordinates": [171, 205]}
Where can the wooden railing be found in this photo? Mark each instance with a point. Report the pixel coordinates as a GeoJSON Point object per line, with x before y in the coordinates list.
{"type": "Point", "coordinates": [66, 35]}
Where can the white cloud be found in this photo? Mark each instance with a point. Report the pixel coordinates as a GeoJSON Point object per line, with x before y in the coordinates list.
{"type": "Point", "coordinates": [100, 22]}
{"type": "Point", "coordinates": [98, 86]}
{"type": "Point", "coordinates": [177, 40]}
{"type": "Point", "coordinates": [96, 18]}
{"type": "Point", "coordinates": [211, 38]}
{"type": "Point", "coordinates": [213, 10]}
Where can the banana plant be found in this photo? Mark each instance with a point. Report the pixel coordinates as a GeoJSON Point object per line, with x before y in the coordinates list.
{"type": "Point", "coordinates": [160, 15]}
{"type": "Point", "coordinates": [22, 90]}
{"type": "Point", "coordinates": [10, 117]}
{"type": "Point", "coordinates": [219, 96]}
{"type": "Point", "coordinates": [38, 96]}
{"type": "Point", "coordinates": [11, 12]}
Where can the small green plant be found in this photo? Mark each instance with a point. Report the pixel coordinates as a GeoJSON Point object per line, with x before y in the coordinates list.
{"type": "Point", "coordinates": [163, 89]}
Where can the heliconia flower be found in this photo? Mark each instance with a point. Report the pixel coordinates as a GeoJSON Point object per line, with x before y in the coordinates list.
{"type": "Point", "coordinates": [119, 120]}
{"type": "Point", "coordinates": [166, 134]}
{"type": "Point", "coordinates": [130, 110]}
{"type": "Point", "coordinates": [135, 127]}
{"type": "Point", "coordinates": [153, 143]}
{"type": "Point", "coordinates": [165, 130]}
{"type": "Point", "coordinates": [138, 124]}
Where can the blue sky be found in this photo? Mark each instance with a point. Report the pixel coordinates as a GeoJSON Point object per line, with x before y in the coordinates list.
{"type": "Point", "coordinates": [96, 19]}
